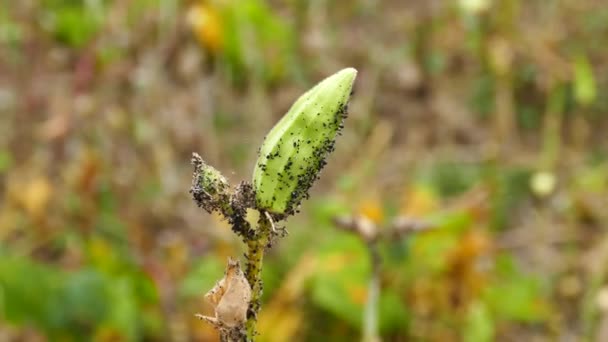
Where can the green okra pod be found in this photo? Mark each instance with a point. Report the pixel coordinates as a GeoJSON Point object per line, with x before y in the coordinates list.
{"type": "Point", "coordinates": [295, 149]}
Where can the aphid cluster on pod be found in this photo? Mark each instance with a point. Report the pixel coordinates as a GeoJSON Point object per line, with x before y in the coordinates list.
{"type": "Point", "coordinates": [212, 192]}
{"type": "Point", "coordinates": [294, 151]}
{"type": "Point", "coordinates": [210, 189]}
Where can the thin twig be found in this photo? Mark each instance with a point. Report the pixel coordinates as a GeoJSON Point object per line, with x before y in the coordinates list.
{"type": "Point", "coordinates": [370, 317]}
{"type": "Point", "coordinates": [370, 233]}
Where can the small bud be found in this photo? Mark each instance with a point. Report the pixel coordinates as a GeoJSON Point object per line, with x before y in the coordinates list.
{"type": "Point", "coordinates": [210, 188]}
{"type": "Point", "coordinates": [295, 149]}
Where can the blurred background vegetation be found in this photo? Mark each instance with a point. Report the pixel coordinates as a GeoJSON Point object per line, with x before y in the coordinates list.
{"type": "Point", "coordinates": [486, 117]}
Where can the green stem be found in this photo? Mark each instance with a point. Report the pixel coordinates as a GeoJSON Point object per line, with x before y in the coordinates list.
{"type": "Point", "coordinates": [370, 318]}
{"type": "Point", "coordinates": [253, 272]}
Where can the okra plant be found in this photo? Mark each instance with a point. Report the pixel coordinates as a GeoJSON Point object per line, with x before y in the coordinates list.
{"type": "Point", "coordinates": [289, 161]}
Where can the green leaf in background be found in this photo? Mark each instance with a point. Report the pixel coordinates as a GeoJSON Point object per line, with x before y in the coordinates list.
{"type": "Point", "coordinates": [454, 222]}
{"type": "Point", "coordinates": [325, 208]}
{"type": "Point", "coordinates": [24, 300]}
{"type": "Point", "coordinates": [71, 306]}
{"type": "Point", "coordinates": [528, 109]}
{"type": "Point", "coordinates": [592, 179]}
{"type": "Point", "coordinates": [80, 303]}
{"type": "Point", "coordinates": [481, 98]}
{"type": "Point", "coordinates": [436, 62]}
{"type": "Point", "coordinates": [510, 189]}
{"type": "Point", "coordinates": [256, 40]}
{"type": "Point", "coordinates": [74, 23]}
{"type": "Point", "coordinates": [393, 316]}
{"type": "Point", "coordinates": [124, 312]}
{"type": "Point", "coordinates": [429, 253]}
{"type": "Point", "coordinates": [203, 277]}
{"type": "Point", "coordinates": [57, 302]}
{"type": "Point", "coordinates": [479, 326]}
{"type": "Point", "coordinates": [529, 117]}
{"type": "Point", "coordinates": [514, 296]}
{"type": "Point", "coordinates": [585, 90]}
{"type": "Point", "coordinates": [6, 160]}
{"type": "Point", "coordinates": [452, 178]}
{"type": "Point", "coordinates": [340, 284]}
{"type": "Point", "coordinates": [10, 31]}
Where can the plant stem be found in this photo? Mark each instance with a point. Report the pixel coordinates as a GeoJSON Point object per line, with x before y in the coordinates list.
{"type": "Point", "coordinates": [253, 272]}
{"type": "Point", "coordinates": [370, 318]}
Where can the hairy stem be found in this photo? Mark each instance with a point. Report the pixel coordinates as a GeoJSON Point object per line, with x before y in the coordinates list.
{"type": "Point", "coordinates": [253, 272]}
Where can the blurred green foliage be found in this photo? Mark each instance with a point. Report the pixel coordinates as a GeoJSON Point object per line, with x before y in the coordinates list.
{"type": "Point", "coordinates": [75, 305]}
{"type": "Point", "coordinates": [73, 22]}
{"type": "Point", "coordinates": [256, 40]}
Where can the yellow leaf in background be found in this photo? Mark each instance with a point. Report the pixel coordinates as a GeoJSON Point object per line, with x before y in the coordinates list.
{"type": "Point", "coordinates": [371, 208]}
{"type": "Point", "coordinates": [501, 55]}
{"type": "Point", "coordinates": [280, 323]}
{"type": "Point", "coordinates": [419, 201]}
{"type": "Point", "coordinates": [293, 285]}
{"type": "Point", "coordinates": [100, 252]}
{"type": "Point", "coordinates": [8, 217]}
{"type": "Point", "coordinates": [335, 262]}
{"type": "Point", "coordinates": [467, 277]}
{"type": "Point", "coordinates": [108, 334]}
{"type": "Point", "coordinates": [281, 318]}
{"type": "Point", "coordinates": [207, 26]}
{"type": "Point", "coordinates": [472, 245]}
{"type": "Point", "coordinates": [357, 293]}
{"type": "Point", "coordinates": [33, 195]}
{"type": "Point", "coordinates": [224, 245]}
{"type": "Point", "coordinates": [223, 249]}
{"type": "Point", "coordinates": [219, 224]}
